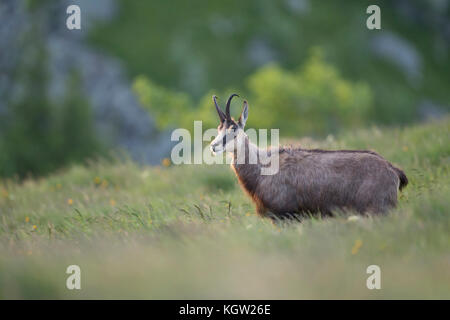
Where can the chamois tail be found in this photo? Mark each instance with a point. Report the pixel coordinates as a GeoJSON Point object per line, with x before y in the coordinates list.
{"type": "Point", "coordinates": [402, 176]}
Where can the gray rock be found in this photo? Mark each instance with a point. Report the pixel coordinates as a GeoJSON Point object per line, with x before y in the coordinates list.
{"type": "Point", "coordinates": [259, 52]}
{"type": "Point", "coordinates": [429, 110]}
{"type": "Point", "coordinates": [298, 6]}
{"type": "Point", "coordinates": [400, 52]}
{"type": "Point", "coordinates": [119, 119]}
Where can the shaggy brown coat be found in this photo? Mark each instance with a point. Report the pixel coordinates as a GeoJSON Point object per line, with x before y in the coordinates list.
{"type": "Point", "coordinates": [320, 181]}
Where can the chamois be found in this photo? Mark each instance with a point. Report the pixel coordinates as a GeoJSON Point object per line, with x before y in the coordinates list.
{"type": "Point", "coordinates": [308, 181]}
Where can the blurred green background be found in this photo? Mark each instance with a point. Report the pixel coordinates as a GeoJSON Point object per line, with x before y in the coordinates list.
{"type": "Point", "coordinates": [309, 68]}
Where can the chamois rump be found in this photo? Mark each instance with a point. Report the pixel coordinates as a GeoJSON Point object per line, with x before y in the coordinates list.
{"type": "Point", "coordinates": [308, 181]}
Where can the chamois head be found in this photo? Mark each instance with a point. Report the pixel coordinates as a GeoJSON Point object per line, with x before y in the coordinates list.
{"type": "Point", "coordinates": [230, 134]}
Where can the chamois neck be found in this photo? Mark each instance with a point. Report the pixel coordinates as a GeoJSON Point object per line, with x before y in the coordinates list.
{"type": "Point", "coordinates": [246, 165]}
{"type": "Point", "coordinates": [247, 153]}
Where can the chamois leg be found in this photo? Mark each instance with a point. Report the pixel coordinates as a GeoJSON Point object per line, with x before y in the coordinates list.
{"type": "Point", "coordinates": [260, 209]}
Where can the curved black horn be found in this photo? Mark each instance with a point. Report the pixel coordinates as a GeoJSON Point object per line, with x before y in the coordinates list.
{"type": "Point", "coordinates": [227, 110]}
{"type": "Point", "coordinates": [219, 111]}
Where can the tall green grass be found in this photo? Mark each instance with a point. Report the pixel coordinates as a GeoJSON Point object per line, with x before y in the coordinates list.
{"type": "Point", "coordinates": [190, 232]}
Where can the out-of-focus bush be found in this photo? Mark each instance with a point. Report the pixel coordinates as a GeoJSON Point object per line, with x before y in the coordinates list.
{"type": "Point", "coordinates": [166, 106]}
{"type": "Point", "coordinates": [312, 100]}
{"type": "Point", "coordinates": [36, 135]}
{"type": "Point", "coordinates": [75, 125]}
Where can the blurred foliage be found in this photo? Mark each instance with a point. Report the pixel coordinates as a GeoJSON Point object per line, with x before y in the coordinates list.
{"type": "Point", "coordinates": [77, 136]}
{"type": "Point", "coordinates": [313, 99]}
{"type": "Point", "coordinates": [195, 46]}
{"type": "Point", "coordinates": [168, 107]}
{"type": "Point", "coordinates": [37, 135]}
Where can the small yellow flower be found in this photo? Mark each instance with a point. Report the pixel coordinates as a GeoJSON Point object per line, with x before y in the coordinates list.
{"type": "Point", "coordinates": [356, 246]}
{"type": "Point", "coordinates": [165, 162]}
{"type": "Point", "coordinates": [97, 180]}
{"type": "Point", "coordinates": [405, 148]}
{"type": "Point", "coordinates": [248, 214]}
{"type": "Point", "coordinates": [69, 202]}
{"type": "Point", "coordinates": [34, 227]}
{"type": "Point", "coordinates": [27, 219]}
{"type": "Point", "coordinates": [112, 202]}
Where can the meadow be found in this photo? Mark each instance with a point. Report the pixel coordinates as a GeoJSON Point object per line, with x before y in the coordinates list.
{"type": "Point", "coordinates": [181, 232]}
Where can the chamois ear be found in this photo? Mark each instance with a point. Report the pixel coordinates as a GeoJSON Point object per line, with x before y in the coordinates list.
{"type": "Point", "coordinates": [244, 115]}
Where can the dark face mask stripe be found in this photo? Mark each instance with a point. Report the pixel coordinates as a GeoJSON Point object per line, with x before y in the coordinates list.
{"type": "Point", "coordinates": [227, 137]}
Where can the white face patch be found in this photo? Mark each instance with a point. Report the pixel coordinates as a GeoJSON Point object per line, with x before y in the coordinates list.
{"type": "Point", "coordinates": [225, 140]}
{"type": "Point", "coordinates": [216, 144]}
